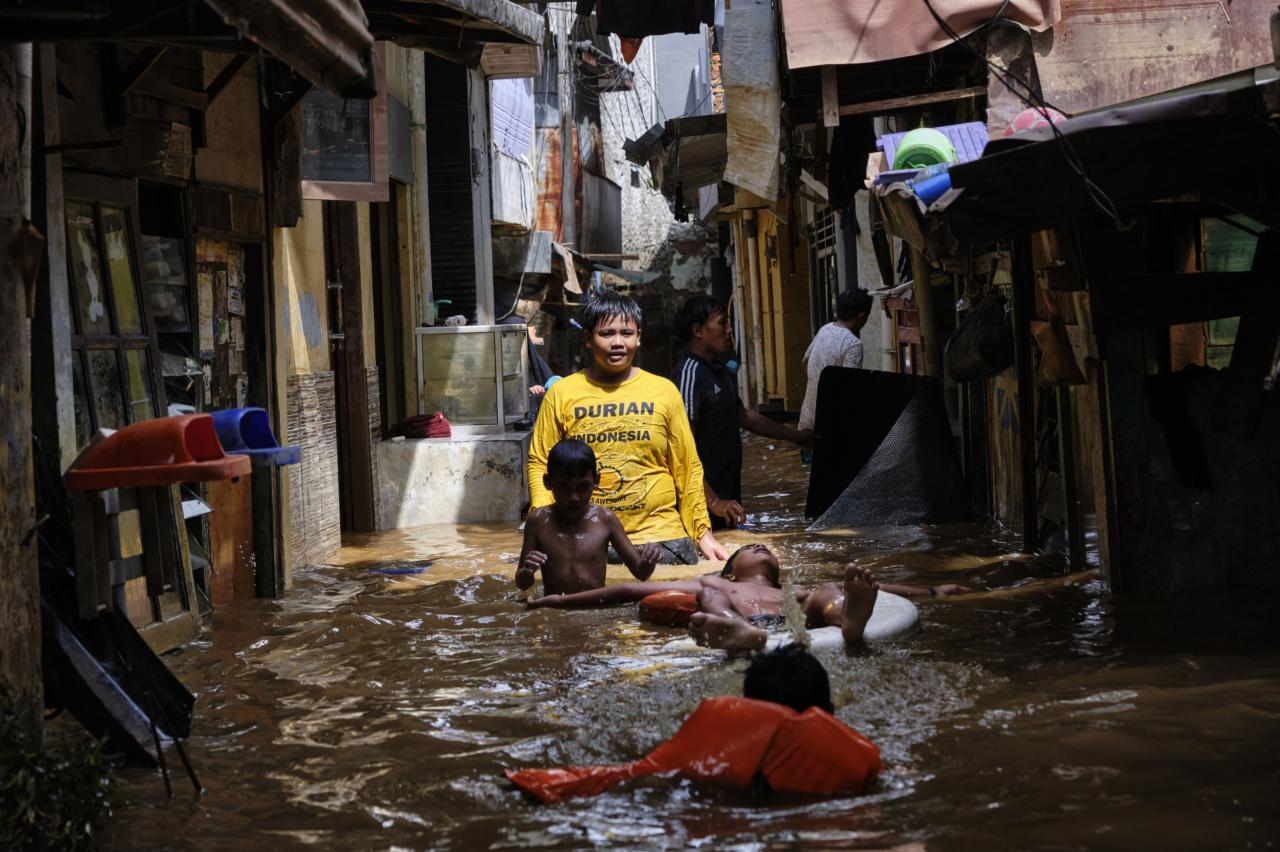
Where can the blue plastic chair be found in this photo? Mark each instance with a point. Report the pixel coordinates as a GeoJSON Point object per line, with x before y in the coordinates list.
{"type": "Point", "coordinates": [248, 431]}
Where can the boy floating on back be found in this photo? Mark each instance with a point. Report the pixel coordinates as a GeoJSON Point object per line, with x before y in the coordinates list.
{"type": "Point", "coordinates": [567, 540]}
{"type": "Point", "coordinates": [737, 610]}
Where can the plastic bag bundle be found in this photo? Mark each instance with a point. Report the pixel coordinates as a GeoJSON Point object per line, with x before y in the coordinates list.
{"type": "Point", "coordinates": [982, 345]}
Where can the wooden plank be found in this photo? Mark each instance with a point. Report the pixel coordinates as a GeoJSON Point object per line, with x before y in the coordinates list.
{"type": "Point", "coordinates": [830, 97]}
{"type": "Point", "coordinates": [230, 540]}
{"type": "Point", "coordinates": [906, 102]}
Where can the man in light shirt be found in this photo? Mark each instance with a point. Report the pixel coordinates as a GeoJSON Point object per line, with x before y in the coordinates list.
{"type": "Point", "coordinates": [835, 345]}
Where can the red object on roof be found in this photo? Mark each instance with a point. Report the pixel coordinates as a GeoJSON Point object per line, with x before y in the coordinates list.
{"type": "Point", "coordinates": [155, 452]}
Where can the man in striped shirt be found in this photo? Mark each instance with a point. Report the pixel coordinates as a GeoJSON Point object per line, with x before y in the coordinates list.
{"type": "Point", "coordinates": [710, 396]}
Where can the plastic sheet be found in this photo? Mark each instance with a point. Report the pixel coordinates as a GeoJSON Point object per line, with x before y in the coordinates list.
{"type": "Point", "coordinates": [753, 100]}
{"type": "Point", "coordinates": [913, 477]}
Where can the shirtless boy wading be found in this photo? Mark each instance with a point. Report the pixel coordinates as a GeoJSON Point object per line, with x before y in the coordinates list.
{"type": "Point", "coordinates": [567, 540]}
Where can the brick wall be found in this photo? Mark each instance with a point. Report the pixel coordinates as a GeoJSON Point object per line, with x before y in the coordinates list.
{"type": "Point", "coordinates": [315, 526]}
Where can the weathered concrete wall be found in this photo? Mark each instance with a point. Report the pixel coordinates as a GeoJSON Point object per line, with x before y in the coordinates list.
{"type": "Point", "coordinates": [451, 481]}
{"type": "Point", "coordinates": [299, 273]}
{"type": "Point", "coordinates": [19, 584]}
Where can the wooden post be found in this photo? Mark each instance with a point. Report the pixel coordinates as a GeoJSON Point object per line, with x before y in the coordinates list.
{"type": "Point", "coordinates": [830, 97]}
{"type": "Point", "coordinates": [930, 345]}
{"type": "Point", "coordinates": [753, 293]}
{"type": "Point", "coordinates": [19, 580]}
{"type": "Point", "coordinates": [1023, 282]}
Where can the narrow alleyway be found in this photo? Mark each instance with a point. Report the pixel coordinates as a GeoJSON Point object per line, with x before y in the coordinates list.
{"type": "Point", "coordinates": [368, 710]}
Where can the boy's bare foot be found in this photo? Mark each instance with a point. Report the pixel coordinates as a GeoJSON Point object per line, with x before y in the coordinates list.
{"type": "Point", "coordinates": [860, 590]}
{"type": "Point", "coordinates": [722, 631]}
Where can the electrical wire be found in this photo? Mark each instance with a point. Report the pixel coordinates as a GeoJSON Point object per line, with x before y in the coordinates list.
{"type": "Point", "coordinates": [1032, 98]}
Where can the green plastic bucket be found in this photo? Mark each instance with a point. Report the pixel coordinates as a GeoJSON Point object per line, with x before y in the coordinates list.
{"type": "Point", "coordinates": [924, 147]}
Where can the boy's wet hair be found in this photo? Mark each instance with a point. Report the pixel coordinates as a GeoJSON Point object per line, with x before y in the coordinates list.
{"type": "Point", "coordinates": [696, 310]}
{"type": "Point", "coordinates": [850, 303]}
{"type": "Point", "coordinates": [570, 458]}
{"type": "Point", "coordinates": [789, 676]}
{"type": "Point", "coordinates": [727, 570]}
{"type": "Point", "coordinates": [604, 304]}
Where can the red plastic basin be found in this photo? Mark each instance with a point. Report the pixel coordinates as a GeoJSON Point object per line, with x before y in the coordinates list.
{"type": "Point", "coordinates": [156, 452]}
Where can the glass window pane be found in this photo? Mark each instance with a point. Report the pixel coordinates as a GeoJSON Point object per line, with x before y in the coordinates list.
{"type": "Point", "coordinates": [104, 384]}
{"type": "Point", "coordinates": [137, 370]}
{"type": "Point", "coordinates": [459, 377]}
{"type": "Point", "coordinates": [84, 425]}
{"type": "Point", "coordinates": [86, 269]}
{"type": "Point", "coordinates": [115, 228]}
{"type": "Point", "coordinates": [512, 349]}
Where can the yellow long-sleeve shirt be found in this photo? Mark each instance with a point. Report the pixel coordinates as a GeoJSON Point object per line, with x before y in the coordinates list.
{"type": "Point", "coordinates": [650, 475]}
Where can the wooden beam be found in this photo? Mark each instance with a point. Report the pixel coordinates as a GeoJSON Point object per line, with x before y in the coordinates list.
{"type": "Point", "coordinates": [138, 68]}
{"type": "Point", "coordinates": [225, 76]}
{"type": "Point", "coordinates": [906, 102]}
{"type": "Point", "coordinates": [174, 94]}
{"type": "Point", "coordinates": [830, 97]}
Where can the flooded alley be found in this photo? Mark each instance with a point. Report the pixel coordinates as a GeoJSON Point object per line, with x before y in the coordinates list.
{"type": "Point", "coordinates": [376, 711]}
{"type": "Point", "coordinates": [382, 381]}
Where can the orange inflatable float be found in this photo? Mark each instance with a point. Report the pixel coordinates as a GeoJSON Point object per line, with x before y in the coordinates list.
{"type": "Point", "coordinates": [670, 608]}
{"type": "Point", "coordinates": [728, 742]}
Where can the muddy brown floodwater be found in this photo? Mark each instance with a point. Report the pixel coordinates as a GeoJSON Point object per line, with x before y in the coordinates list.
{"type": "Point", "coordinates": [366, 711]}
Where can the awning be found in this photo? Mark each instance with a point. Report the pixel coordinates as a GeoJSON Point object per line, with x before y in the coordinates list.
{"type": "Point", "coordinates": [1206, 143]}
{"type": "Point", "coordinates": [326, 41]}
{"type": "Point", "coordinates": [454, 28]}
{"type": "Point", "coordinates": [837, 32]}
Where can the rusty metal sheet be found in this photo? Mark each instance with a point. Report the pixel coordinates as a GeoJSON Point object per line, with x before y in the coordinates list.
{"type": "Point", "coordinates": [548, 215]}
{"type": "Point", "coordinates": [1105, 52]}
{"type": "Point", "coordinates": [838, 32]}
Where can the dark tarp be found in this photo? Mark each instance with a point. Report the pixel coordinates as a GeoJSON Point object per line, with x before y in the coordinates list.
{"type": "Point", "coordinates": [891, 431]}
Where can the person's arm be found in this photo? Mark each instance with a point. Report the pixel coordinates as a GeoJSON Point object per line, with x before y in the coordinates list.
{"type": "Point", "coordinates": [531, 559]}
{"type": "Point", "coordinates": [639, 560]}
{"type": "Point", "coordinates": [852, 356]}
{"type": "Point", "coordinates": [547, 432]}
{"type": "Point", "coordinates": [729, 511]}
{"type": "Point", "coordinates": [686, 471]}
{"type": "Point", "coordinates": [754, 421]}
{"type": "Point", "coordinates": [926, 591]}
{"type": "Point", "coordinates": [619, 593]}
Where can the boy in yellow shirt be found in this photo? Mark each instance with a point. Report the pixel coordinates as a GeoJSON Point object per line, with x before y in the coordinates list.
{"type": "Point", "coordinates": [650, 475]}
